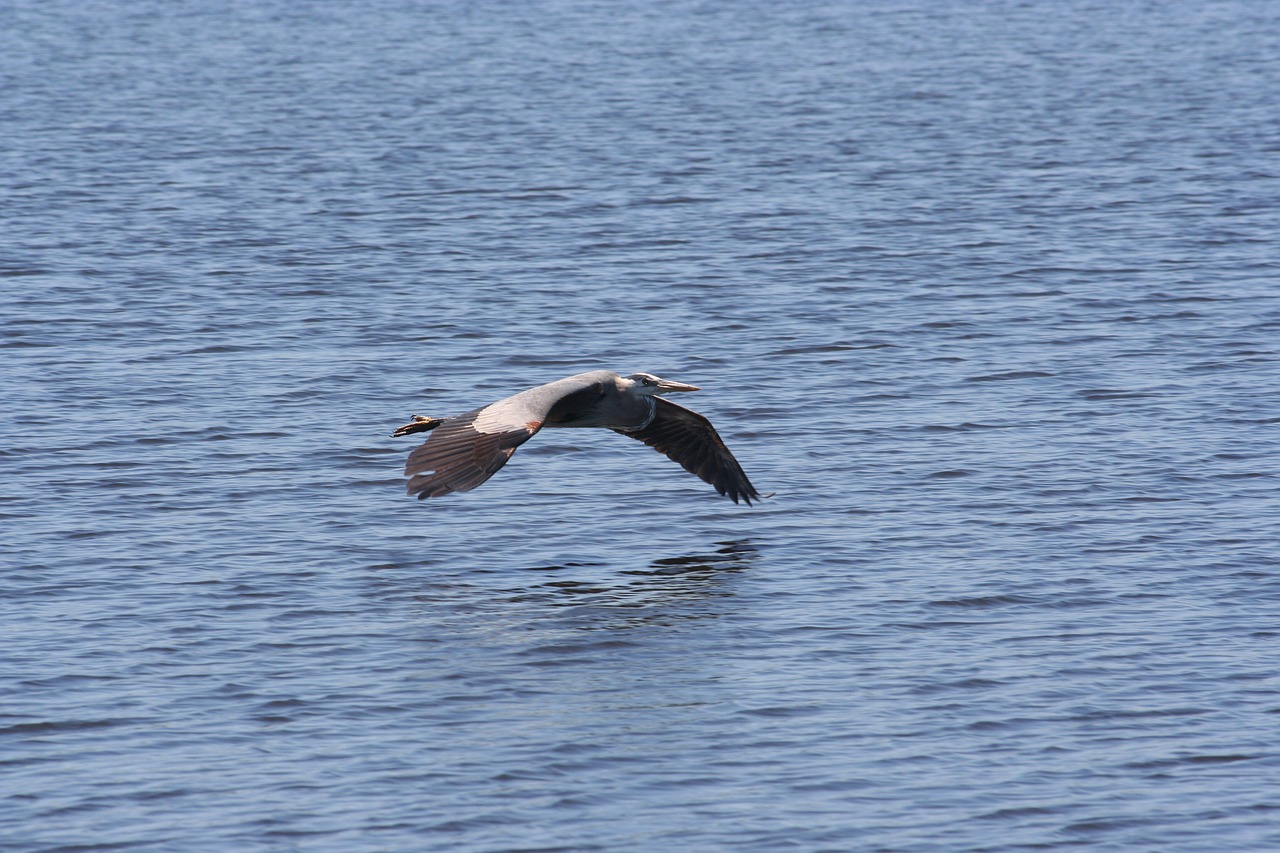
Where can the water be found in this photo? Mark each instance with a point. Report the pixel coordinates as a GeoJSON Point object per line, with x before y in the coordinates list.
{"type": "Point", "coordinates": [986, 293]}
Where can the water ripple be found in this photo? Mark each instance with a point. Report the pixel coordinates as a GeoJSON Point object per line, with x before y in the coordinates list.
{"type": "Point", "coordinates": [985, 299]}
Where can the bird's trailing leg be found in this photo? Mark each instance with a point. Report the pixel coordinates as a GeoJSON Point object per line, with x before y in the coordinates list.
{"type": "Point", "coordinates": [421, 423]}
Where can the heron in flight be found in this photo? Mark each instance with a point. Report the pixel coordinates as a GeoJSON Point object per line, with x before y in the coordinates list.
{"type": "Point", "coordinates": [467, 449]}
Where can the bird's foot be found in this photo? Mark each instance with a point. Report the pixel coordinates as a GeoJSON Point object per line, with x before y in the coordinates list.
{"type": "Point", "coordinates": [421, 423]}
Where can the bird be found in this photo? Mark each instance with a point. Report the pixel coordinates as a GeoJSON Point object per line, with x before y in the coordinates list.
{"type": "Point", "coordinates": [465, 450]}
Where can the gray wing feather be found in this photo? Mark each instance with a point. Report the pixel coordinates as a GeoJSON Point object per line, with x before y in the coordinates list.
{"type": "Point", "coordinates": [688, 438]}
{"type": "Point", "coordinates": [458, 456]}
{"type": "Point", "coordinates": [465, 450]}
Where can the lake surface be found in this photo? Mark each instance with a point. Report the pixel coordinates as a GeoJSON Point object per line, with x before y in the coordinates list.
{"type": "Point", "coordinates": [986, 293]}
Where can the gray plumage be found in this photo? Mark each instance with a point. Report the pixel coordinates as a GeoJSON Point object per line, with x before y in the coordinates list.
{"type": "Point", "coordinates": [465, 450]}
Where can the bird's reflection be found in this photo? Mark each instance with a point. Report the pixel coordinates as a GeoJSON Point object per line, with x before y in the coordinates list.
{"type": "Point", "coordinates": [685, 576]}
{"type": "Point", "coordinates": [729, 557]}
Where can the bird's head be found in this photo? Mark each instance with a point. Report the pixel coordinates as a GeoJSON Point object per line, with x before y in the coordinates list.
{"type": "Point", "coordinates": [650, 385]}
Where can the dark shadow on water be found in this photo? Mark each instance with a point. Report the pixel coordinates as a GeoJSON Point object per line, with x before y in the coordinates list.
{"type": "Point", "coordinates": [591, 595]}
{"type": "Point", "coordinates": [729, 557]}
{"type": "Point", "coordinates": [683, 577]}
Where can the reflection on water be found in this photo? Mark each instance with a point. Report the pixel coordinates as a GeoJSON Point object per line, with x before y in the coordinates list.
{"type": "Point", "coordinates": [679, 578]}
{"type": "Point", "coordinates": [730, 556]}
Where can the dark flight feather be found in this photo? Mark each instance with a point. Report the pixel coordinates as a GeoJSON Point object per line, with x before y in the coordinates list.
{"type": "Point", "coordinates": [458, 457]}
{"type": "Point", "coordinates": [688, 438]}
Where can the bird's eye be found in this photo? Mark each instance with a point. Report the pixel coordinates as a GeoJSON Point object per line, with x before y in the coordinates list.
{"type": "Point", "coordinates": [650, 382]}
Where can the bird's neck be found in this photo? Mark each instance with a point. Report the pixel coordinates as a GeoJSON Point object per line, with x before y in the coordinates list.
{"type": "Point", "coordinates": [652, 404]}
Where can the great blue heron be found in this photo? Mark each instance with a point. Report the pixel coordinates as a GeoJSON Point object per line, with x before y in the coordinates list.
{"type": "Point", "coordinates": [468, 449]}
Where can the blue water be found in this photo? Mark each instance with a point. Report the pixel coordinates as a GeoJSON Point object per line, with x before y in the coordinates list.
{"type": "Point", "coordinates": [986, 293]}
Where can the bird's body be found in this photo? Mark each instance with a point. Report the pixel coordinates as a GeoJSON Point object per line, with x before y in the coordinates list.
{"type": "Point", "coordinates": [465, 450]}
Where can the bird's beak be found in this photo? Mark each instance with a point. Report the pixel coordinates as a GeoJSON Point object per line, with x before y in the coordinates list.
{"type": "Point", "coordinates": [666, 385]}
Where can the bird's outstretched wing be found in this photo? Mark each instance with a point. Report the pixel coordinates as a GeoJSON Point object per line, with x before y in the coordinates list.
{"type": "Point", "coordinates": [466, 450]}
{"type": "Point", "coordinates": [461, 453]}
{"type": "Point", "coordinates": [689, 438]}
